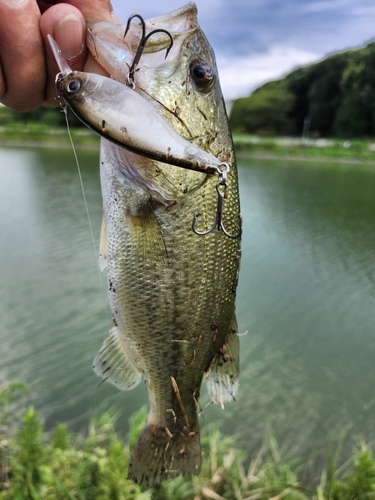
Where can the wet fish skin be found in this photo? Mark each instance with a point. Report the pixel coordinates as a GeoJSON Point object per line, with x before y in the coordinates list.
{"type": "Point", "coordinates": [172, 292]}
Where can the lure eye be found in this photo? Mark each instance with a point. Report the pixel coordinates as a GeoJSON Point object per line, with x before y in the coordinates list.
{"type": "Point", "coordinates": [72, 86]}
{"type": "Point", "coordinates": [202, 74]}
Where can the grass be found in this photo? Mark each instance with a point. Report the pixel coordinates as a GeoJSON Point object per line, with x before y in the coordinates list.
{"type": "Point", "coordinates": [48, 133]}
{"type": "Point", "coordinates": [340, 149]}
{"type": "Point", "coordinates": [44, 134]}
{"type": "Point", "coordinates": [37, 465]}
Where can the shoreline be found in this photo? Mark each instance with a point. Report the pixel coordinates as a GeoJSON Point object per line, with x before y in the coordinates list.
{"type": "Point", "coordinates": [311, 158]}
{"type": "Point", "coordinates": [240, 151]}
{"type": "Point", "coordinates": [17, 143]}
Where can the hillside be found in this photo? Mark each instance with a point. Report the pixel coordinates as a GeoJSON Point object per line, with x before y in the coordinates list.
{"type": "Point", "coordinates": [336, 95]}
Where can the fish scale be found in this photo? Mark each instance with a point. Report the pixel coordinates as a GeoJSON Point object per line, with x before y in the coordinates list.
{"type": "Point", "coordinates": [171, 290]}
{"type": "Point", "coordinates": [182, 301]}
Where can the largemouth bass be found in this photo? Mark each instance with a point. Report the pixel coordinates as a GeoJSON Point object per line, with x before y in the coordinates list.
{"type": "Point", "coordinates": [172, 291]}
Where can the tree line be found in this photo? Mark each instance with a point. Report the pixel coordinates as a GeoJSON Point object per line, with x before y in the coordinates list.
{"type": "Point", "coordinates": [50, 117]}
{"type": "Point", "coordinates": [335, 97]}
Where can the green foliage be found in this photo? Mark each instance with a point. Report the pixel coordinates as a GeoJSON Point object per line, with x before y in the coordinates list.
{"type": "Point", "coordinates": [49, 117]}
{"type": "Point", "coordinates": [359, 484]}
{"type": "Point", "coordinates": [60, 439]}
{"type": "Point", "coordinates": [43, 126]}
{"type": "Point", "coordinates": [8, 395]}
{"type": "Point", "coordinates": [265, 112]}
{"type": "Point", "coordinates": [63, 467]}
{"type": "Point", "coordinates": [316, 91]}
{"type": "Point", "coordinates": [336, 94]}
{"type": "Point", "coordinates": [358, 150]}
{"type": "Point", "coordinates": [136, 423]}
{"type": "Point", "coordinates": [59, 468]}
{"type": "Point", "coordinates": [28, 458]}
{"type": "Point", "coordinates": [224, 476]}
{"type": "Point", "coordinates": [356, 112]}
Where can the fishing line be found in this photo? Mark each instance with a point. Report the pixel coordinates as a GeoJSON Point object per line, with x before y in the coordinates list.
{"type": "Point", "coordinates": [64, 109]}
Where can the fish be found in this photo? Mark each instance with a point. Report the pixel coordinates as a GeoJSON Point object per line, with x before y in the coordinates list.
{"type": "Point", "coordinates": [113, 110]}
{"type": "Point", "coordinates": [172, 284]}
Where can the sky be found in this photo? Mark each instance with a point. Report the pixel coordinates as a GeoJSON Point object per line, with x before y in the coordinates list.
{"type": "Point", "coordinates": [256, 41]}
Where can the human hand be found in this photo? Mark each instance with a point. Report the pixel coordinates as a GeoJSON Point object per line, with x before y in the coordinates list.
{"type": "Point", "coordinates": [27, 66]}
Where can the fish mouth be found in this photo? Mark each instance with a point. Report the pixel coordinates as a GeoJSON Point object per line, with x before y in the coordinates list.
{"type": "Point", "coordinates": [180, 23]}
{"type": "Point", "coordinates": [180, 20]}
{"type": "Point", "coordinates": [115, 52]}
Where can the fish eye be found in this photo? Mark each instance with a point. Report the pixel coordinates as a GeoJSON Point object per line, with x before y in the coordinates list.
{"type": "Point", "coordinates": [202, 74]}
{"type": "Point", "coordinates": [199, 72]}
{"type": "Point", "coordinates": [73, 86]}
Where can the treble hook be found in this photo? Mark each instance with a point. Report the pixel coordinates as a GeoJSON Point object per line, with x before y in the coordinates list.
{"type": "Point", "coordinates": [141, 47]}
{"type": "Point", "coordinates": [221, 188]}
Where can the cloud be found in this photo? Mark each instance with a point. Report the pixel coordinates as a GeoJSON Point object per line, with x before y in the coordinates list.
{"type": "Point", "coordinates": [239, 76]}
{"type": "Point", "coordinates": [324, 6]}
{"type": "Point", "coordinates": [364, 11]}
{"type": "Point", "coordinates": [260, 40]}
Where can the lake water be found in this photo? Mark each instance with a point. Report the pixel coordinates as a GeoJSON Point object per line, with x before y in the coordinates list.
{"type": "Point", "coordinates": [306, 297]}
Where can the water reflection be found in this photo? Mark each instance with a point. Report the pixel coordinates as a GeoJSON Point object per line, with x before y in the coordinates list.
{"type": "Point", "coordinates": [310, 244]}
{"type": "Point", "coordinates": [306, 297]}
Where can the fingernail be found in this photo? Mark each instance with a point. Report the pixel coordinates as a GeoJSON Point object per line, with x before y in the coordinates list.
{"type": "Point", "coordinates": [68, 33]}
{"type": "Point", "coordinates": [14, 2]}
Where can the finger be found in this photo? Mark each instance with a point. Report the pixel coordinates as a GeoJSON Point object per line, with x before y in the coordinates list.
{"type": "Point", "coordinates": [22, 68]}
{"type": "Point", "coordinates": [66, 25]}
{"type": "Point", "coordinates": [95, 11]}
{"type": "Point", "coordinates": [92, 10]}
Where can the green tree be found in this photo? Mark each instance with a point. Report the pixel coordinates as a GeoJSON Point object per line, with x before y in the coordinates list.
{"type": "Point", "coordinates": [265, 112]}
{"type": "Point", "coordinates": [355, 115]}
{"type": "Point", "coordinates": [324, 93]}
{"type": "Point", "coordinates": [336, 93]}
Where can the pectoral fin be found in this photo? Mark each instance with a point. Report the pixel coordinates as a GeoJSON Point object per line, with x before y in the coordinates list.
{"type": "Point", "coordinates": [222, 376]}
{"type": "Point", "coordinates": [112, 363]}
{"type": "Point", "coordinates": [103, 246]}
{"type": "Point", "coordinates": [147, 238]}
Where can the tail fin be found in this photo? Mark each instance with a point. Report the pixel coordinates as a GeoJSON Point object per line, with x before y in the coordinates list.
{"type": "Point", "coordinates": [160, 455]}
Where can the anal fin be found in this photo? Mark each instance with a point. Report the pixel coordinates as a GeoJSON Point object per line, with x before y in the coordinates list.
{"type": "Point", "coordinates": [222, 376]}
{"type": "Point", "coordinates": [112, 363]}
